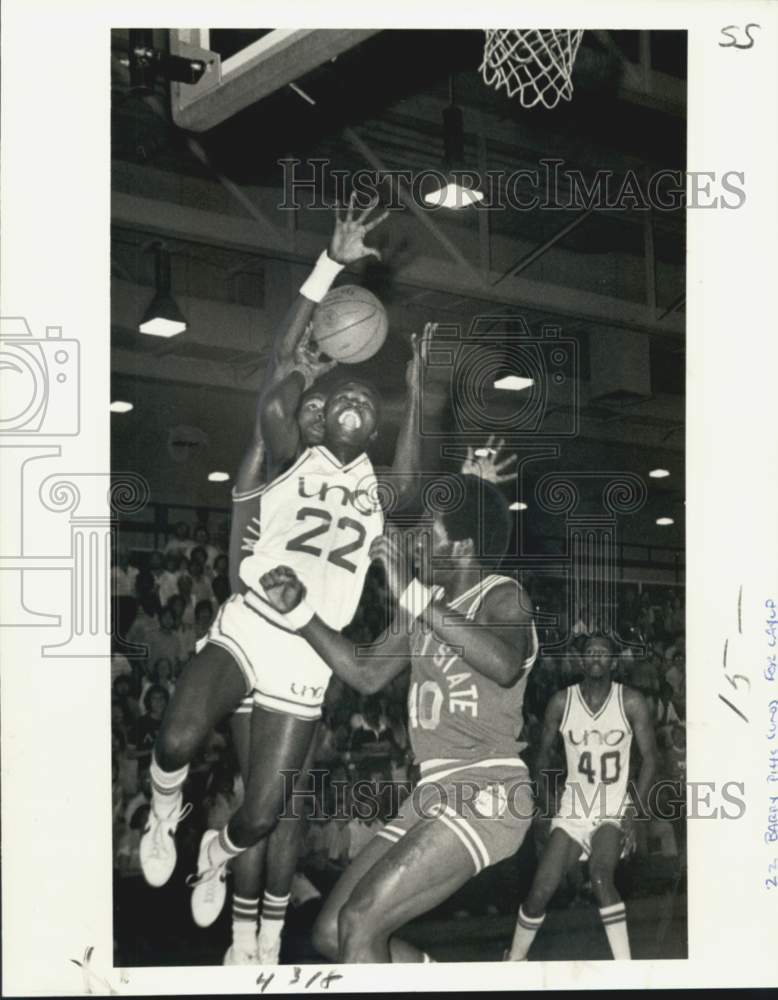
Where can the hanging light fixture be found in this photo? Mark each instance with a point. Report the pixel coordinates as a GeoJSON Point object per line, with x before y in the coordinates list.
{"type": "Point", "coordinates": [458, 191]}
{"type": "Point", "coordinates": [162, 318]}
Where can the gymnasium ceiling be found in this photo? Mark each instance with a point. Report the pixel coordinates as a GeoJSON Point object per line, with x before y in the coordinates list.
{"type": "Point", "coordinates": [234, 276]}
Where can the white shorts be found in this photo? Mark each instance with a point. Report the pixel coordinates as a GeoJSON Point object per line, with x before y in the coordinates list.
{"type": "Point", "coordinates": [571, 817]}
{"type": "Point", "coordinates": [283, 673]}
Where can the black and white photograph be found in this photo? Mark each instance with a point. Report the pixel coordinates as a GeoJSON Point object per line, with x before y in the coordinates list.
{"type": "Point", "coordinates": [406, 351]}
{"type": "Point", "coordinates": [388, 559]}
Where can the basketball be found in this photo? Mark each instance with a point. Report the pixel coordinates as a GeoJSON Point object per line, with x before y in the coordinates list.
{"type": "Point", "coordinates": [350, 324]}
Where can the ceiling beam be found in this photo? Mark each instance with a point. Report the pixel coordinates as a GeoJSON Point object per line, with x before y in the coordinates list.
{"type": "Point", "coordinates": [214, 229]}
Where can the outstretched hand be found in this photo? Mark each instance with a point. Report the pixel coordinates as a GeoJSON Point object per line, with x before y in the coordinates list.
{"type": "Point", "coordinates": [419, 347]}
{"type": "Point", "coordinates": [347, 243]}
{"type": "Point", "coordinates": [392, 553]}
{"type": "Point", "coordinates": [490, 466]}
{"type": "Point", "coordinates": [284, 589]}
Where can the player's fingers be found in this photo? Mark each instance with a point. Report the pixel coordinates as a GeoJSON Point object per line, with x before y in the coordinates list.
{"type": "Point", "coordinates": [350, 210]}
{"type": "Point", "coordinates": [372, 252]}
{"type": "Point", "coordinates": [374, 222]}
{"type": "Point", "coordinates": [470, 453]}
{"type": "Point", "coordinates": [505, 462]}
{"type": "Point", "coordinates": [500, 445]}
{"type": "Point", "coordinates": [507, 478]}
{"type": "Point", "coordinates": [366, 211]}
{"type": "Point", "coordinates": [490, 441]}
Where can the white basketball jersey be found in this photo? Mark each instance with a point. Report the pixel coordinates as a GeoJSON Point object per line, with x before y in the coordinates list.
{"type": "Point", "coordinates": [319, 518]}
{"type": "Point", "coordinates": [597, 747]}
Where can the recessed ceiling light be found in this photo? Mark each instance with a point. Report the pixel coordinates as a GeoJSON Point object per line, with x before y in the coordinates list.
{"type": "Point", "coordinates": [514, 383]}
{"type": "Point", "coordinates": [453, 196]}
{"type": "Point", "coordinates": [518, 505]}
{"type": "Point", "coordinates": [218, 477]}
{"type": "Point", "coordinates": [664, 521]}
{"type": "Point", "coordinates": [120, 406]}
{"type": "Point", "coordinates": [659, 473]}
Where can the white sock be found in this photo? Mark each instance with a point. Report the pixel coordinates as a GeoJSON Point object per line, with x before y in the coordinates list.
{"type": "Point", "coordinates": [221, 849]}
{"type": "Point", "coordinates": [614, 919]}
{"type": "Point", "coordinates": [166, 788]}
{"type": "Point", "coordinates": [524, 935]}
{"type": "Point", "coordinates": [244, 922]}
{"type": "Point", "coordinates": [273, 915]}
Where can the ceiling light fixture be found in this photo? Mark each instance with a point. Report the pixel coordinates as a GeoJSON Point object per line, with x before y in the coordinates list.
{"type": "Point", "coordinates": [218, 477]}
{"type": "Point", "coordinates": [121, 406]}
{"type": "Point", "coordinates": [514, 383]}
{"type": "Point", "coordinates": [162, 318]}
{"type": "Point", "coordinates": [659, 473]}
{"type": "Point", "coordinates": [518, 505]}
{"type": "Point", "coordinates": [664, 521]}
{"type": "Point", "coordinates": [460, 187]}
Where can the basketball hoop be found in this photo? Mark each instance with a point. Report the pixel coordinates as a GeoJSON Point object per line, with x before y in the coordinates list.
{"type": "Point", "coordinates": [536, 65]}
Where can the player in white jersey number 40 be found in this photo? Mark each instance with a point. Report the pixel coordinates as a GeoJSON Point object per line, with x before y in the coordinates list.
{"type": "Point", "coordinates": [596, 720]}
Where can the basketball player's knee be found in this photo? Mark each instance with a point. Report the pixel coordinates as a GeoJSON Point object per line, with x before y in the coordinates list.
{"type": "Point", "coordinates": [176, 746]}
{"type": "Point", "coordinates": [257, 821]}
{"type": "Point", "coordinates": [357, 918]}
{"type": "Point", "coordinates": [600, 873]}
{"type": "Point", "coordinates": [325, 935]}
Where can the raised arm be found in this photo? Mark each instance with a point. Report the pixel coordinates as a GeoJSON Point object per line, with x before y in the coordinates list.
{"type": "Point", "coordinates": [281, 400]}
{"type": "Point", "coordinates": [379, 663]}
{"type": "Point", "coordinates": [496, 646]}
{"type": "Point", "coordinates": [499, 643]}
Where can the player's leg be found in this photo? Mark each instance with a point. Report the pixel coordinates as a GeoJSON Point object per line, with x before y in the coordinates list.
{"type": "Point", "coordinates": [607, 844]}
{"type": "Point", "coordinates": [247, 868]}
{"type": "Point", "coordinates": [325, 930]}
{"type": "Point", "coordinates": [211, 686]}
{"type": "Point", "coordinates": [283, 851]}
{"type": "Point", "coordinates": [422, 870]}
{"type": "Point", "coordinates": [560, 853]}
{"type": "Point", "coordinates": [279, 744]}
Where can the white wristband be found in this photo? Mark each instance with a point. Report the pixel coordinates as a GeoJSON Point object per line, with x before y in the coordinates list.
{"type": "Point", "coordinates": [318, 282]}
{"type": "Point", "coordinates": [299, 617]}
{"type": "Point", "coordinates": [416, 598]}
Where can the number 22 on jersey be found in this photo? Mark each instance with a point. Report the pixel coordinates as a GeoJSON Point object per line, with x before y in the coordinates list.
{"type": "Point", "coordinates": [352, 531]}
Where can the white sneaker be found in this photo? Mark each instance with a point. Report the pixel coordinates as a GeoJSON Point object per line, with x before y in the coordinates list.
{"type": "Point", "coordinates": [268, 951]}
{"type": "Point", "coordinates": [158, 844]}
{"type": "Point", "coordinates": [237, 956]}
{"type": "Point", "coordinates": [210, 889]}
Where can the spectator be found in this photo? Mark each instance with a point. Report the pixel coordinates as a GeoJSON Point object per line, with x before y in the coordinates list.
{"type": "Point", "coordinates": [128, 851]}
{"type": "Point", "coordinates": [220, 584]}
{"type": "Point", "coordinates": [201, 581]}
{"type": "Point", "coordinates": [154, 703]}
{"type": "Point", "coordinates": [202, 539]}
{"type": "Point", "coordinates": [156, 564]}
{"type": "Point", "coordinates": [164, 641]}
{"type": "Point", "coordinates": [145, 623]}
{"type": "Point", "coordinates": [119, 665]}
{"type": "Point", "coordinates": [168, 579]}
{"type": "Point", "coordinates": [203, 618]}
{"type": "Point", "coordinates": [122, 692]}
{"type": "Point", "coordinates": [675, 675]}
{"type": "Point", "coordinates": [161, 673]}
{"type": "Point", "coordinates": [123, 574]}
{"type": "Point", "coordinates": [181, 544]}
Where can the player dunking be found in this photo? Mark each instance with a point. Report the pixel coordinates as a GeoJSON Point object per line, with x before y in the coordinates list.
{"type": "Point", "coordinates": [250, 648]}
{"type": "Point", "coordinates": [596, 719]}
{"type": "Point", "coordinates": [470, 650]}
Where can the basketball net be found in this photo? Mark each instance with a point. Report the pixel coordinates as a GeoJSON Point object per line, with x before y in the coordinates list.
{"type": "Point", "coordinates": [536, 65]}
